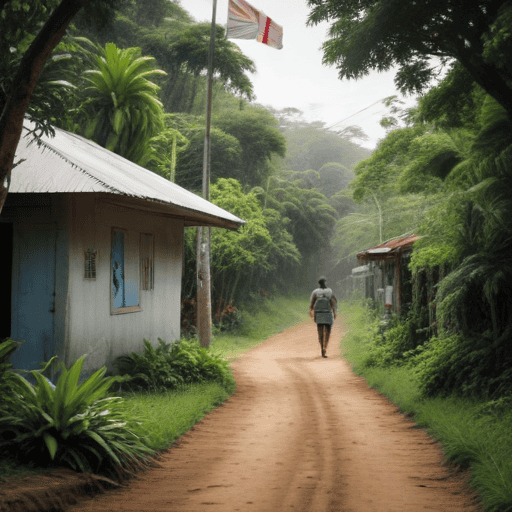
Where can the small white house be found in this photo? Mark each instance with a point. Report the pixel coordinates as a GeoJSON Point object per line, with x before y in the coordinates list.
{"type": "Point", "coordinates": [92, 252]}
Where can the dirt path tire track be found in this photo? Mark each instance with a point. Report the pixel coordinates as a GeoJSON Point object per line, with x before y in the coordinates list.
{"type": "Point", "coordinates": [301, 433]}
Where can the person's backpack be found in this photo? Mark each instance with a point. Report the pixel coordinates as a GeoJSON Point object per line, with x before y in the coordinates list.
{"type": "Point", "coordinates": [323, 303]}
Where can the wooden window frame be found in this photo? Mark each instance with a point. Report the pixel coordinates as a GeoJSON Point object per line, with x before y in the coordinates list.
{"type": "Point", "coordinates": [116, 310]}
{"type": "Point", "coordinates": [147, 262]}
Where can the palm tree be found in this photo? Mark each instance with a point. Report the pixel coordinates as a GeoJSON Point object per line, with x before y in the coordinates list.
{"type": "Point", "coordinates": [122, 108]}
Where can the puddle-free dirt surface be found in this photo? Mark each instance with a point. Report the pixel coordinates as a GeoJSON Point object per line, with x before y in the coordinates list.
{"type": "Point", "coordinates": [301, 433]}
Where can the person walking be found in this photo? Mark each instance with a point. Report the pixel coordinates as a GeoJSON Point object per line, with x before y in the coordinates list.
{"type": "Point", "coordinates": [322, 308]}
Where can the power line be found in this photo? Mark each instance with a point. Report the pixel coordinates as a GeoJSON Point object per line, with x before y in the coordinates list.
{"type": "Point", "coordinates": [355, 114]}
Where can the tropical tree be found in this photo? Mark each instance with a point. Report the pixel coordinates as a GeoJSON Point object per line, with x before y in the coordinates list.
{"type": "Point", "coordinates": [121, 108]}
{"type": "Point", "coordinates": [435, 155]}
{"type": "Point", "coordinates": [330, 179]}
{"type": "Point", "coordinates": [309, 218]}
{"type": "Point", "coordinates": [152, 13]}
{"type": "Point", "coordinates": [260, 139]}
{"type": "Point", "coordinates": [284, 257]}
{"type": "Point", "coordinates": [472, 355]}
{"type": "Point", "coordinates": [478, 232]}
{"type": "Point", "coordinates": [376, 177]}
{"type": "Point", "coordinates": [415, 36]}
{"type": "Point", "coordinates": [449, 180]}
{"type": "Point", "coordinates": [167, 32]}
{"type": "Point", "coordinates": [225, 157]}
{"type": "Point", "coordinates": [246, 260]}
{"type": "Point", "coordinates": [189, 52]}
{"type": "Point", "coordinates": [181, 49]}
{"type": "Point", "coordinates": [49, 96]}
{"type": "Point", "coordinates": [453, 103]}
{"type": "Point", "coordinates": [33, 32]}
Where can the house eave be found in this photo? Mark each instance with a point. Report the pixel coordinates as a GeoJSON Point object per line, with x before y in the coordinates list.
{"type": "Point", "coordinates": [190, 217]}
{"type": "Point", "coordinates": [388, 251]}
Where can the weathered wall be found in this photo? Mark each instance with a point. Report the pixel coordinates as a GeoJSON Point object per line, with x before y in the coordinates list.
{"type": "Point", "coordinates": [92, 328]}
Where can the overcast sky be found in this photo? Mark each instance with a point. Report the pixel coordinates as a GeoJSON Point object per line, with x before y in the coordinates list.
{"type": "Point", "coordinates": [295, 76]}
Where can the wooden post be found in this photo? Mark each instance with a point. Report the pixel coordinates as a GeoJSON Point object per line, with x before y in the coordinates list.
{"type": "Point", "coordinates": [204, 298]}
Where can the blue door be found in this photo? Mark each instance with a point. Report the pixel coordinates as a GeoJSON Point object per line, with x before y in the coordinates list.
{"type": "Point", "coordinates": [33, 303]}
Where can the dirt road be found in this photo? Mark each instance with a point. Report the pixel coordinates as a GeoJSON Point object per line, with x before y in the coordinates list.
{"type": "Point", "coordinates": [301, 433]}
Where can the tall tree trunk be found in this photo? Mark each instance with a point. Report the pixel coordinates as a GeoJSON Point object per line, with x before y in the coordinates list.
{"type": "Point", "coordinates": [25, 80]}
{"type": "Point", "coordinates": [193, 94]}
{"type": "Point", "coordinates": [231, 296]}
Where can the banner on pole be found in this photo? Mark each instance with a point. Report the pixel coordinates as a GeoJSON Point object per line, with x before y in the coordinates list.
{"type": "Point", "coordinates": [246, 22]}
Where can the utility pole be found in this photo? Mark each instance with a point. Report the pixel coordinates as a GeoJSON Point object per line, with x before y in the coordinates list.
{"type": "Point", "coordinates": [204, 297]}
{"type": "Point", "coordinates": [380, 215]}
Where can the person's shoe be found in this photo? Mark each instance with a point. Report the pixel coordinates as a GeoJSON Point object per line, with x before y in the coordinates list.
{"type": "Point", "coordinates": [323, 353]}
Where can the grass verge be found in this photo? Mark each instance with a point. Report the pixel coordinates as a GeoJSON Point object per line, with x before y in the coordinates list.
{"type": "Point", "coordinates": [473, 433]}
{"type": "Point", "coordinates": [260, 320]}
{"type": "Point", "coordinates": [167, 416]}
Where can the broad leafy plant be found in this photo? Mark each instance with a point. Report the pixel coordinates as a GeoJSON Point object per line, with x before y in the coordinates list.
{"type": "Point", "coordinates": [72, 424]}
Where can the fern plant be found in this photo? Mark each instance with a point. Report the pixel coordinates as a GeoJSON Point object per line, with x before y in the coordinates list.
{"type": "Point", "coordinates": [170, 365]}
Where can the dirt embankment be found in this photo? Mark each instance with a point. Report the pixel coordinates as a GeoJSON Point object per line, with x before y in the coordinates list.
{"type": "Point", "coordinates": [301, 433]}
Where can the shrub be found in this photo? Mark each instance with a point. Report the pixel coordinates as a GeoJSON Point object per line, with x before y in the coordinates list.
{"type": "Point", "coordinates": [398, 342]}
{"type": "Point", "coordinates": [170, 365]}
{"type": "Point", "coordinates": [463, 365]}
{"type": "Point", "coordinates": [150, 369]}
{"type": "Point", "coordinates": [75, 425]}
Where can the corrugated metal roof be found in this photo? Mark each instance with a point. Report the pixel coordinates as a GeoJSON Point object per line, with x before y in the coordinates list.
{"type": "Point", "coordinates": [69, 163]}
{"type": "Point", "coordinates": [389, 249]}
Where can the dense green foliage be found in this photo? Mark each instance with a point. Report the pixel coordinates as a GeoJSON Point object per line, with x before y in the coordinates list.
{"type": "Point", "coordinates": [247, 260]}
{"type": "Point", "coordinates": [171, 365]}
{"type": "Point", "coordinates": [473, 432]}
{"type": "Point", "coordinates": [72, 424]}
{"type": "Point", "coordinates": [445, 175]}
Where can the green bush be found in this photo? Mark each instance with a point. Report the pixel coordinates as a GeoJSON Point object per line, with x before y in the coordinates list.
{"type": "Point", "coordinates": [71, 424]}
{"type": "Point", "coordinates": [171, 365]}
{"type": "Point", "coordinates": [474, 432]}
{"type": "Point", "coordinates": [466, 365]}
{"type": "Point", "coordinates": [462, 365]}
{"type": "Point", "coordinates": [150, 369]}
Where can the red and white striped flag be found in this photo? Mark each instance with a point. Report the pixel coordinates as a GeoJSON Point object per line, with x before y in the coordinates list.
{"type": "Point", "coordinates": [246, 22]}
